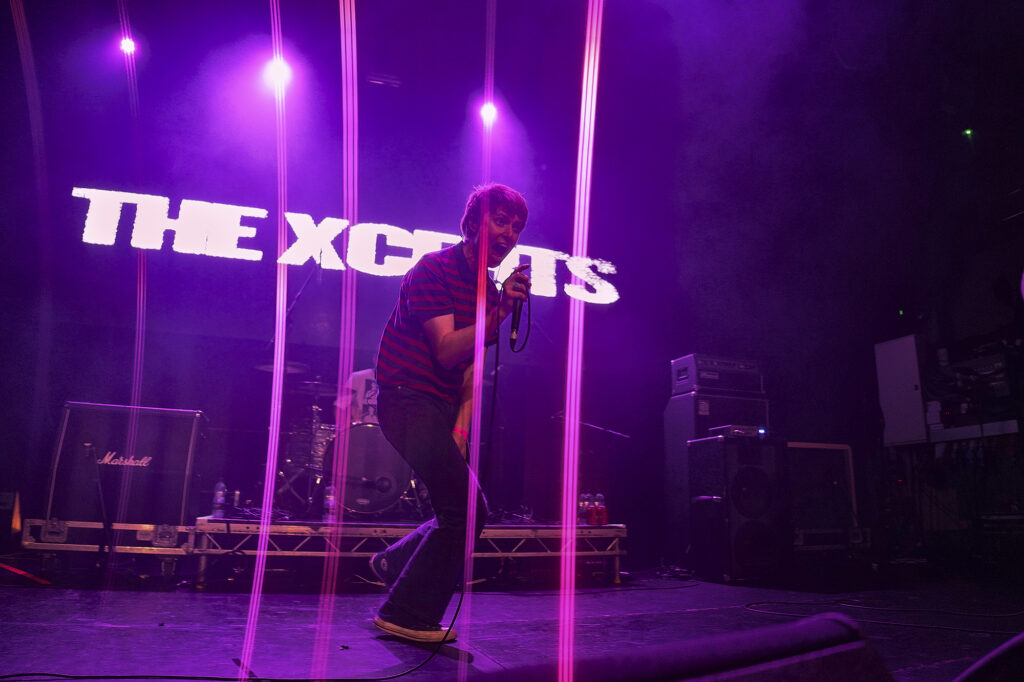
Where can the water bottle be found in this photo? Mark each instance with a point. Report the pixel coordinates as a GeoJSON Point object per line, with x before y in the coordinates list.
{"type": "Point", "coordinates": [581, 511]}
{"type": "Point", "coordinates": [600, 511]}
{"type": "Point", "coordinates": [591, 510]}
{"type": "Point", "coordinates": [330, 504]}
{"type": "Point", "coordinates": [220, 495]}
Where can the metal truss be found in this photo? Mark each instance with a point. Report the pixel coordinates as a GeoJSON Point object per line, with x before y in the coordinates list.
{"type": "Point", "coordinates": [210, 537]}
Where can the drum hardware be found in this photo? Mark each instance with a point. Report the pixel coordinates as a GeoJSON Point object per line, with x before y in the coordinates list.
{"type": "Point", "coordinates": [417, 499]}
{"type": "Point", "coordinates": [321, 438]}
{"type": "Point", "coordinates": [301, 504]}
{"type": "Point", "coordinates": [378, 481]}
{"type": "Point", "coordinates": [308, 442]}
{"type": "Point", "coordinates": [316, 388]}
{"type": "Point", "coordinates": [289, 368]}
{"type": "Point", "coordinates": [301, 476]}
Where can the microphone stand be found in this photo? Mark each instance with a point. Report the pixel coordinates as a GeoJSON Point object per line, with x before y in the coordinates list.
{"type": "Point", "coordinates": [105, 546]}
{"type": "Point", "coordinates": [560, 415]}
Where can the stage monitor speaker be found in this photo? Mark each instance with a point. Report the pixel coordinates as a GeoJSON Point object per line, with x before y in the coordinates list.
{"type": "Point", "coordinates": [1005, 662]}
{"type": "Point", "coordinates": [688, 416]}
{"type": "Point", "coordinates": [828, 646]}
{"type": "Point", "coordinates": [739, 516]}
{"type": "Point", "coordinates": [121, 464]}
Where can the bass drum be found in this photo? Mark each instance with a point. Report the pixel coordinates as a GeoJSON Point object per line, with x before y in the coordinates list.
{"type": "Point", "coordinates": [377, 476]}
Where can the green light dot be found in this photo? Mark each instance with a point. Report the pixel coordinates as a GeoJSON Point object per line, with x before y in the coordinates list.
{"type": "Point", "coordinates": [968, 132]}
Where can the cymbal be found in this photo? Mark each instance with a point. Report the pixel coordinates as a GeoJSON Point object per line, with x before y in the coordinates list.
{"type": "Point", "coordinates": [289, 368]}
{"type": "Point", "coordinates": [313, 388]}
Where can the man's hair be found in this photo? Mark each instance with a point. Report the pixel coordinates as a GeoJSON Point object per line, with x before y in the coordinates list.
{"type": "Point", "coordinates": [491, 198]}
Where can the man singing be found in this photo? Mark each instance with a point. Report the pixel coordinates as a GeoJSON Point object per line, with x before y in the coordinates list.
{"type": "Point", "coordinates": [424, 371]}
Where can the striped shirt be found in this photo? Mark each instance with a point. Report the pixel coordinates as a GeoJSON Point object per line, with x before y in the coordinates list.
{"type": "Point", "coordinates": [441, 283]}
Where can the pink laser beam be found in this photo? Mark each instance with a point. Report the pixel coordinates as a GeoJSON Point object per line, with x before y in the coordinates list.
{"type": "Point", "coordinates": [489, 40]}
{"type": "Point", "coordinates": [138, 356]}
{"type": "Point", "coordinates": [479, 340]}
{"type": "Point", "coordinates": [346, 345]}
{"type": "Point", "coordinates": [277, 380]}
{"type": "Point", "coordinates": [570, 443]}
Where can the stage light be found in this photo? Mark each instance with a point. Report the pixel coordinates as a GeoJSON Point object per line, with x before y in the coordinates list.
{"type": "Point", "coordinates": [127, 45]}
{"type": "Point", "coordinates": [968, 133]}
{"type": "Point", "coordinates": [277, 73]}
{"type": "Point", "coordinates": [488, 112]}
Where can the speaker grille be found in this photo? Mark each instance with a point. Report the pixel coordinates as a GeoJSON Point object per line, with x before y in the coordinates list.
{"type": "Point", "coordinates": [752, 491]}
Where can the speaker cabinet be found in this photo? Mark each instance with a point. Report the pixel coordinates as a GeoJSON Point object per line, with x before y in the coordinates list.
{"type": "Point", "coordinates": [121, 464]}
{"type": "Point", "coordinates": [10, 520]}
{"type": "Point", "coordinates": [821, 484]}
{"type": "Point", "coordinates": [688, 416]}
{"type": "Point", "coordinates": [739, 515]}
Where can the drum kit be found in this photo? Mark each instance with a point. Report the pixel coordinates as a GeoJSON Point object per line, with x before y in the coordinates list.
{"type": "Point", "coordinates": [378, 484]}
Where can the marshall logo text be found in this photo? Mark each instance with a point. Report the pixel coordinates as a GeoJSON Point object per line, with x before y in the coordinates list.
{"type": "Point", "coordinates": [112, 459]}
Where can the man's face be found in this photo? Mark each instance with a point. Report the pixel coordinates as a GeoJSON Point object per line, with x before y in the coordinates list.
{"type": "Point", "coordinates": [503, 229]}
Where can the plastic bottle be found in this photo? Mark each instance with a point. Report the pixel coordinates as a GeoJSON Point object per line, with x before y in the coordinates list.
{"type": "Point", "coordinates": [330, 504]}
{"type": "Point", "coordinates": [220, 495]}
{"type": "Point", "coordinates": [600, 511]}
{"type": "Point", "coordinates": [581, 511]}
{"type": "Point", "coordinates": [591, 510]}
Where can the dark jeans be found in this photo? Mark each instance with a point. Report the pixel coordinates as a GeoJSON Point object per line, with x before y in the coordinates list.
{"type": "Point", "coordinates": [430, 558]}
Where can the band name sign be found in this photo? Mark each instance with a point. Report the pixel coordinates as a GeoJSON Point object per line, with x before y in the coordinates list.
{"type": "Point", "coordinates": [212, 229]}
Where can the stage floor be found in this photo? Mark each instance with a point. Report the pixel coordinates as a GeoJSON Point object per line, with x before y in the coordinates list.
{"type": "Point", "coordinates": [192, 633]}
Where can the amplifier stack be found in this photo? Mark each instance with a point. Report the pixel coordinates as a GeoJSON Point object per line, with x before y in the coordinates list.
{"type": "Point", "coordinates": [742, 504]}
{"type": "Point", "coordinates": [708, 393]}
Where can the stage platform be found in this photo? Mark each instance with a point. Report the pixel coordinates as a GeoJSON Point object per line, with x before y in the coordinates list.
{"type": "Point", "coordinates": [210, 537]}
{"type": "Point", "coordinates": [928, 632]}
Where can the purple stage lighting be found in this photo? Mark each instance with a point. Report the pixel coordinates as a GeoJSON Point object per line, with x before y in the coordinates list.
{"type": "Point", "coordinates": [277, 73]}
{"type": "Point", "coordinates": [127, 45]}
{"type": "Point", "coordinates": [488, 112]}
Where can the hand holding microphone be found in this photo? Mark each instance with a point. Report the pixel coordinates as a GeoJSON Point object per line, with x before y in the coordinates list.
{"type": "Point", "coordinates": [517, 312]}
{"type": "Point", "coordinates": [516, 288]}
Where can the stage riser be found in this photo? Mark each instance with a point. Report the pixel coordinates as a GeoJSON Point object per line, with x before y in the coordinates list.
{"type": "Point", "coordinates": [214, 537]}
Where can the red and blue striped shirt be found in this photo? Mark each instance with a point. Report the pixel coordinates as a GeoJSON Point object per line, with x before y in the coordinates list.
{"type": "Point", "coordinates": [441, 283]}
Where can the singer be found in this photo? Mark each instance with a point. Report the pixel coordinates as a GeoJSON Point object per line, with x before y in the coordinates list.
{"type": "Point", "coordinates": [424, 371]}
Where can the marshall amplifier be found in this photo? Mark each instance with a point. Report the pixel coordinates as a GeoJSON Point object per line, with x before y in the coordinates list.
{"type": "Point", "coordinates": [121, 464]}
{"type": "Point", "coordinates": [715, 375]}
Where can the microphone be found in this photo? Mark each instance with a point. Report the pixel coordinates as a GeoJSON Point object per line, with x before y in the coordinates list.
{"type": "Point", "coordinates": [517, 312]}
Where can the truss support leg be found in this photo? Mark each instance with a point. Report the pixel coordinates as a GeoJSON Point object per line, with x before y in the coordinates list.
{"type": "Point", "coordinates": [204, 543]}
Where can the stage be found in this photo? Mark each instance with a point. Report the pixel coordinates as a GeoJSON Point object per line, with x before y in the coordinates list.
{"type": "Point", "coordinates": [286, 278]}
{"type": "Point", "coordinates": [921, 633]}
